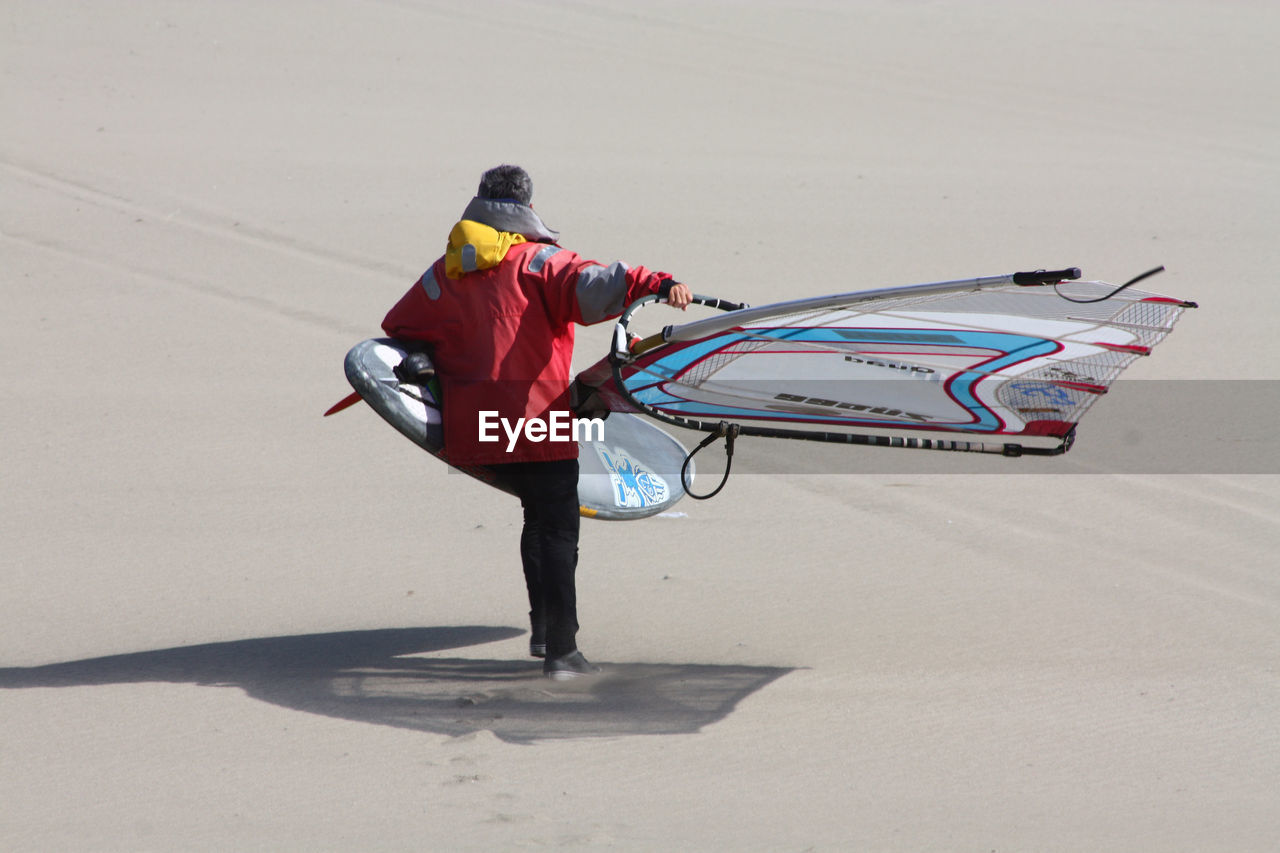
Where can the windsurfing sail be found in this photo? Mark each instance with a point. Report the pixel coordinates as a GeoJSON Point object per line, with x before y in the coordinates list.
{"type": "Point", "coordinates": [1004, 364]}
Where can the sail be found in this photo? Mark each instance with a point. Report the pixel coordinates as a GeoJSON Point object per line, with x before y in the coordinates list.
{"type": "Point", "coordinates": [1004, 364]}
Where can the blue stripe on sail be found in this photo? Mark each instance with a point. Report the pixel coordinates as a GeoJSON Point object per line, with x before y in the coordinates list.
{"type": "Point", "coordinates": [962, 387]}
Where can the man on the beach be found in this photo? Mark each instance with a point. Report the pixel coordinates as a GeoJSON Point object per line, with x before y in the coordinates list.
{"type": "Point", "coordinates": [498, 310]}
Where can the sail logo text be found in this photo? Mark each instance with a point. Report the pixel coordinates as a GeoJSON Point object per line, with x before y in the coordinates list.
{"type": "Point", "coordinates": [912, 368]}
{"type": "Point", "coordinates": [852, 407]}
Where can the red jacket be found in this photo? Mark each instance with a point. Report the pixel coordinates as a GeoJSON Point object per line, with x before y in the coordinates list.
{"type": "Point", "coordinates": [502, 339]}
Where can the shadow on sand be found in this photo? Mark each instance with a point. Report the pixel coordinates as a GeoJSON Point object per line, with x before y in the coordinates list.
{"type": "Point", "coordinates": [374, 677]}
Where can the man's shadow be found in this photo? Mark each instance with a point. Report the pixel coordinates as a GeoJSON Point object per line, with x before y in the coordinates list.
{"type": "Point", "coordinates": [376, 677]}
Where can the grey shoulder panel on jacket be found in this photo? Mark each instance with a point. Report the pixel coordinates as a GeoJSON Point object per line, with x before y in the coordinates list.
{"type": "Point", "coordinates": [602, 291]}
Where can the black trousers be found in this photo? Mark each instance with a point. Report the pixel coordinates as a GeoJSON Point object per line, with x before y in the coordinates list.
{"type": "Point", "coordinates": [548, 491]}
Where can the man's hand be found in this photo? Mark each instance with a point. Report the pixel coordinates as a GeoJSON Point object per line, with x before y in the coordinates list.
{"type": "Point", "coordinates": [679, 296]}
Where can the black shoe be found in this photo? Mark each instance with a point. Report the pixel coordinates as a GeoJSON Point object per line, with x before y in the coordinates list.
{"type": "Point", "coordinates": [538, 642]}
{"type": "Point", "coordinates": [572, 665]}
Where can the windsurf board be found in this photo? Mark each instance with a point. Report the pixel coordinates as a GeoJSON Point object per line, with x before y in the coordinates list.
{"type": "Point", "coordinates": [630, 471]}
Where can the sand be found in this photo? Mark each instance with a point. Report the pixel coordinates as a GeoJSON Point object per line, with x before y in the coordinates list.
{"type": "Point", "coordinates": [230, 624]}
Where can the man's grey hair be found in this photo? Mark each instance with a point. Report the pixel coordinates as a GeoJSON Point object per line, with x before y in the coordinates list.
{"type": "Point", "coordinates": [506, 182]}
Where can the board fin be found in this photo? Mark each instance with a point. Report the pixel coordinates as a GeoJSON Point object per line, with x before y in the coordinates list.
{"type": "Point", "coordinates": [345, 403]}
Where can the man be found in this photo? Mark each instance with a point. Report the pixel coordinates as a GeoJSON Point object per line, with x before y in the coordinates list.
{"type": "Point", "coordinates": [498, 310]}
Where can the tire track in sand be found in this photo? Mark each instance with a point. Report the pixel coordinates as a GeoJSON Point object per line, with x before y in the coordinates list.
{"type": "Point", "coordinates": [198, 222]}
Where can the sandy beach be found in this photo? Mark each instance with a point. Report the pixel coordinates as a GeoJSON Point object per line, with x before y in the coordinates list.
{"type": "Point", "coordinates": [227, 623]}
